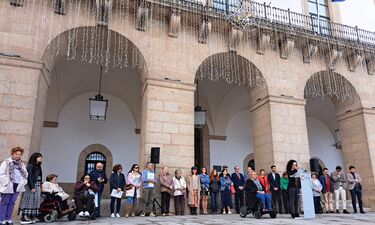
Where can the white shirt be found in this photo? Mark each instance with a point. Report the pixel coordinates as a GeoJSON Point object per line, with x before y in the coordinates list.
{"type": "Point", "coordinates": [177, 184]}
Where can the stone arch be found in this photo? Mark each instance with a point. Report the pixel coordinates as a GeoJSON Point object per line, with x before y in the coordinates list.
{"type": "Point", "coordinates": [87, 151]}
{"type": "Point", "coordinates": [246, 161]}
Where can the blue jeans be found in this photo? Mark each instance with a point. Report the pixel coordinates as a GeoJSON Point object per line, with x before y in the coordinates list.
{"type": "Point", "coordinates": [214, 199]}
{"type": "Point", "coordinates": [100, 194]}
{"type": "Point", "coordinates": [266, 198]}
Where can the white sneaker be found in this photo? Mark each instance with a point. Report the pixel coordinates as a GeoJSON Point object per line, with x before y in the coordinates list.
{"type": "Point", "coordinates": [112, 215]}
{"type": "Point", "coordinates": [142, 214]}
{"type": "Point", "coordinates": [87, 213]}
{"type": "Point", "coordinates": [81, 214]}
{"type": "Point", "coordinates": [152, 214]}
{"type": "Point", "coordinates": [229, 212]}
{"type": "Point", "coordinates": [224, 212]}
{"type": "Point", "coordinates": [118, 215]}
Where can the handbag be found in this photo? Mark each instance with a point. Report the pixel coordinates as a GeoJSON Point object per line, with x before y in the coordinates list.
{"type": "Point", "coordinates": [63, 195]}
{"type": "Point", "coordinates": [128, 187]}
{"type": "Point", "coordinates": [232, 190]}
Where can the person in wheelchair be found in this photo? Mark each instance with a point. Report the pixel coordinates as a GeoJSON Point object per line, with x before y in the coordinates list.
{"type": "Point", "coordinates": [255, 190]}
{"type": "Point", "coordinates": [84, 195]}
{"type": "Point", "coordinates": [54, 192]}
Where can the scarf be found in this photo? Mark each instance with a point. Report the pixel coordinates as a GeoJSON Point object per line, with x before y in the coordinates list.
{"type": "Point", "coordinates": [16, 165]}
{"type": "Point", "coordinates": [259, 186]}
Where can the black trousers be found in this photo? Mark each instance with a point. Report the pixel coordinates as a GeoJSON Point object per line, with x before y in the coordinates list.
{"type": "Point", "coordinates": [317, 207]}
{"type": "Point", "coordinates": [179, 204]}
{"type": "Point", "coordinates": [293, 200]}
{"type": "Point", "coordinates": [165, 199]}
{"type": "Point", "coordinates": [84, 202]}
{"type": "Point", "coordinates": [285, 195]}
{"type": "Point", "coordinates": [118, 204]}
{"type": "Point", "coordinates": [239, 199]}
{"type": "Point", "coordinates": [276, 199]}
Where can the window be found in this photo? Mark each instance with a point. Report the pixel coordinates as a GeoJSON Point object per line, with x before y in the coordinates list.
{"type": "Point", "coordinates": [226, 5]}
{"type": "Point", "coordinates": [319, 12]}
{"type": "Point", "coordinates": [217, 168]}
{"type": "Point", "coordinates": [91, 161]}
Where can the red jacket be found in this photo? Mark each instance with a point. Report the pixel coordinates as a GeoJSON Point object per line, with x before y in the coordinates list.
{"type": "Point", "coordinates": [264, 181]}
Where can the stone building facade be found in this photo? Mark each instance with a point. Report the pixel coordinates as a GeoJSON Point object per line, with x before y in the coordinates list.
{"type": "Point", "coordinates": [166, 47]}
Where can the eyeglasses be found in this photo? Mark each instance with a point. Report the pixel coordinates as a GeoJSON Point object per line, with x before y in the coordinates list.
{"type": "Point", "coordinates": [136, 167]}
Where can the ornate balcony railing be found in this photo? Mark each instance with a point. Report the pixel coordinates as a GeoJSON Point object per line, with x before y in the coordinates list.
{"type": "Point", "coordinates": [263, 15]}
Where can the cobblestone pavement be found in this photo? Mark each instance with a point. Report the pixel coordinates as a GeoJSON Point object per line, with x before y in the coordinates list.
{"type": "Point", "coordinates": [350, 219]}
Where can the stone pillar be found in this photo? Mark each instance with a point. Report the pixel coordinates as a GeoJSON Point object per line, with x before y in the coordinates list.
{"type": "Point", "coordinates": [168, 123]}
{"type": "Point", "coordinates": [23, 90]}
{"type": "Point", "coordinates": [279, 132]}
{"type": "Point", "coordinates": [357, 131]}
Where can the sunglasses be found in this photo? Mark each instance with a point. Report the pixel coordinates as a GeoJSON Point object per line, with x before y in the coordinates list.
{"type": "Point", "coordinates": [136, 167]}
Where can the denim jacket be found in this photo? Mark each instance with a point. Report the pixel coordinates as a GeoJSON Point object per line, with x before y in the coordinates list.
{"type": "Point", "coordinates": [225, 183]}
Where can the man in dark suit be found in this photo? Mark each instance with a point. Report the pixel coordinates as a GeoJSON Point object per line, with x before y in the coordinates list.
{"type": "Point", "coordinates": [274, 180]}
{"type": "Point", "coordinates": [239, 184]}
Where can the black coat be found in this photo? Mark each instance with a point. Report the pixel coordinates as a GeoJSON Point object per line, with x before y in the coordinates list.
{"type": "Point", "coordinates": [117, 181]}
{"type": "Point", "coordinates": [274, 182]}
{"type": "Point", "coordinates": [251, 190]}
{"type": "Point", "coordinates": [238, 181]}
{"type": "Point", "coordinates": [35, 175]}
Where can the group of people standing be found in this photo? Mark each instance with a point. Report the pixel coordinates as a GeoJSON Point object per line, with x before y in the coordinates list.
{"type": "Point", "coordinates": [16, 177]}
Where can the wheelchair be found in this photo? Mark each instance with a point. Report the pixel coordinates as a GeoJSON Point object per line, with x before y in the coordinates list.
{"type": "Point", "coordinates": [258, 210]}
{"type": "Point", "coordinates": [85, 205]}
{"type": "Point", "coordinates": [51, 210]}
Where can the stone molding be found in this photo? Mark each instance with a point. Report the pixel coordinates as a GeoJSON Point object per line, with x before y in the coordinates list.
{"type": "Point", "coordinates": [217, 137]}
{"type": "Point", "coordinates": [167, 84]}
{"type": "Point", "coordinates": [277, 99]}
{"type": "Point", "coordinates": [353, 113]}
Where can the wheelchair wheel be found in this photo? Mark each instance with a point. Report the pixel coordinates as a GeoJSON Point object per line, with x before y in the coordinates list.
{"type": "Point", "coordinates": [93, 215]}
{"type": "Point", "coordinates": [273, 215]}
{"type": "Point", "coordinates": [48, 218]}
{"type": "Point", "coordinates": [243, 211]}
{"type": "Point", "coordinates": [257, 215]}
{"type": "Point", "coordinates": [72, 216]}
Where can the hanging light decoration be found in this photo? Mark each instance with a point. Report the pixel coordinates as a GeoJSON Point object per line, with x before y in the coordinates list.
{"type": "Point", "coordinates": [98, 105]}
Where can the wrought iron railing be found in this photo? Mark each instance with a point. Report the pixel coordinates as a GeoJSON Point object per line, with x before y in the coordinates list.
{"type": "Point", "coordinates": [264, 15]}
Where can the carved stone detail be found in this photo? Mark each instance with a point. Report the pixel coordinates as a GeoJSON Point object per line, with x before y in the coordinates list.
{"type": "Point", "coordinates": [263, 41]}
{"type": "Point", "coordinates": [204, 31]}
{"type": "Point", "coordinates": [235, 36]}
{"type": "Point", "coordinates": [355, 58]}
{"type": "Point", "coordinates": [103, 10]}
{"type": "Point", "coordinates": [174, 22]}
{"type": "Point", "coordinates": [59, 7]}
{"type": "Point", "coordinates": [142, 16]}
{"type": "Point", "coordinates": [17, 3]}
{"type": "Point", "coordinates": [370, 63]}
{"type": "Point", "coordinates": [309, 50]}
{"type": "Point", "coordinates": [332, 58]}
{"type": "Point", "coordinates": [286, 44]}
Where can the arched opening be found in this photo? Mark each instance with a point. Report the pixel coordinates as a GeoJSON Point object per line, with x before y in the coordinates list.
{"type": "Point", "coordinates": [66, 117]}
{"type": "Point", "coordinates": [328, 95]}
{"type": "Point", "coordinates": [228, 84]}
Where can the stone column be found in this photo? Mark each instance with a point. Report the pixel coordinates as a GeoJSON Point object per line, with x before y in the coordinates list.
{"type": "Point", "coordinates": [168, 123]}
{"type": "Point", "coordinates": [279, 132]}
{"type": "Point", "coordinates": [23, 87]}
{"type": "Point", "coordinates": [357, 131]}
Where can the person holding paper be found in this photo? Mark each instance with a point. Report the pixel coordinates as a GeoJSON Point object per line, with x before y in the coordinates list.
{"type": "Point", "coordinates": [293, 189]}
{"type": "Point", "coordinates": [100, 178]}
{"type": "Point", "coordinates": [133, 192]}
{"type": "Point", "coordinates": [148, 192]}
{"type": "Point", "coordinates": [117, 183]}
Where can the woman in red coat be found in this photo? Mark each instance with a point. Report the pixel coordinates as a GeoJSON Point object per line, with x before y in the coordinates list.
{"type": "Point", "coordinates": [264, 180]}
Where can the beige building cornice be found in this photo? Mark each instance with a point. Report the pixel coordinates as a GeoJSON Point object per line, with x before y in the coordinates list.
{"type": "Point", "coordinates": [353, 113]}
{"type": "Point", "coordinates": [18, 61]}
{"type": "Point", "coordinates": [167, 84]}
{"type": "Point", "coordinates": [278, 99]}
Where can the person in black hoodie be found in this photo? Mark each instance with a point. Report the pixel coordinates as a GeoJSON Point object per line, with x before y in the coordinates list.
{"type": "Point", "coordinates": [214, 190]}
{"type": "Point", "coordinates": [293, 187]}
{"type": "Point", "coordinates": [31, 198]}
{"type": "Point", "coordinates": [117, 182]}
{"type": "Point", "coordinates": [98, 175]}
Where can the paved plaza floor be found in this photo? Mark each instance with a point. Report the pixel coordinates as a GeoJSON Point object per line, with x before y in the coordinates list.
{"type": "Point", "coordinates": [234, 219]}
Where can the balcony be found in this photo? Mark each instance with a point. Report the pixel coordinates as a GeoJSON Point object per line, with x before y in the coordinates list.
{"type": "Point", "coordinates": [276, 19]}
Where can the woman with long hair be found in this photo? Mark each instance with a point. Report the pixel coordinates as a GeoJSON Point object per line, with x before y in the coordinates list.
{"type": "Point", "coordinates": [31, 198]}
{"type": "Point", "coordinates": [214, 190]}
{"type": "Point", "coordinates": [194, 187]}
{"type": "Point", "coordinates": [133, 190]}
{"type": "Point", "coordinates": [264, 180]}
{"type": "Point", "coordinates": [117, 182]}
{"type": "Point", "coordinates": [226, 197]}
{"type": "Point", "coordinates": [205, 185]}
{"type": "Point", "coordinates": [293, 189]}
